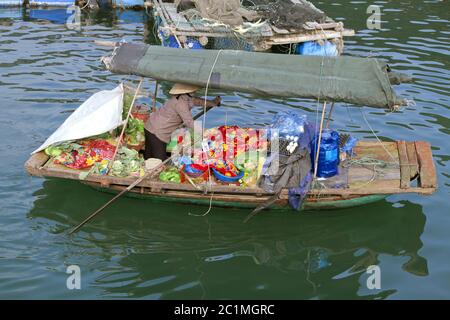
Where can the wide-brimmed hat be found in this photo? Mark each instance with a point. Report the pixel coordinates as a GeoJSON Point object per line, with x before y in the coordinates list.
{"type": "Point", "coordinates": [181, 88]}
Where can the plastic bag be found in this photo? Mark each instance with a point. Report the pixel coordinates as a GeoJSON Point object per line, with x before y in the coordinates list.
{"type": "Point", "coordinates": [288, 123]}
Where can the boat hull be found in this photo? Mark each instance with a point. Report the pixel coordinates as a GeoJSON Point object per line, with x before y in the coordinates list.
{"type": "Point", "coordinates": [310, 203]}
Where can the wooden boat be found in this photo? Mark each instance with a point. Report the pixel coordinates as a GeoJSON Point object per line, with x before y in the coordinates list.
{"type": "Point", "coordinates": [375, 169]}
{"type": "Point", "coordinates": [410, 170]}
{"type": "Point", "coordinates": [171, 23]}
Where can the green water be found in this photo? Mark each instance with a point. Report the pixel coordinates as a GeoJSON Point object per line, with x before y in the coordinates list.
{"type": "Point", "coordinates": [145, 249]}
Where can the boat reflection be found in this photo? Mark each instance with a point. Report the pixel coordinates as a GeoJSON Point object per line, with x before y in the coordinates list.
{"type": "Point", "coordinates": [107, 17]}
{"type": "Point", "coordinates": [142, 248]}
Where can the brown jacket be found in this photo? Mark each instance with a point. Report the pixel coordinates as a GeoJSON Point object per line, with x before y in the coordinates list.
{"type": "Point", "coordinates": [176, 111]}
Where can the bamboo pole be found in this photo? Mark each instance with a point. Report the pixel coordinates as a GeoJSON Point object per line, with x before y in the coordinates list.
{"type": "Point", "coordinates": [106, 43]}
{"type": "Point", "coordinates": [154, 97]}
{"type": "Point", "coordinates": [329, 115]}
{"type": "Point", "coordinates": [119, 140]}
{"type": "Point", "coordinates": [320, 139]}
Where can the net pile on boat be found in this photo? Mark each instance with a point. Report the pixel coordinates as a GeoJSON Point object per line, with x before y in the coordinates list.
{"type": "Point", "coordinates": [229, 12]}
{"type": "Point", "coordinates": [288, 15]}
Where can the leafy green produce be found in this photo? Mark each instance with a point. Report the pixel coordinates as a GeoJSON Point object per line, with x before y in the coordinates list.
{"type": "Point", "coordinates": [117, 168]}
{"type": "Point", "coordinates": [127, 99]}
{"type": "Point", "coordinates": [135, 131]}
{"type": "Point", "coordinates": [53, 151]}
{"type": "Point", "coordinates": [170, 175]}
{"type": "Point", "coordinates": [128, 162]}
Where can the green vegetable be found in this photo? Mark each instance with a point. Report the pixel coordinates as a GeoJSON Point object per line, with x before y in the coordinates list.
{"type": "Point", "coordinates": [127, 99]}
{"type": "Point", "coordinates": [134, 166]}
{"type": "Point", "coordinates": [53, 151]}
{"type": "Point", "coordinates": [170, 175]}
{"type": "Point", "coordinates": [128, 162]}
{"type": "Point", "coordinates": [104, 136]}
{"type": "Point", "coordinates": [135, 131]}
{"type": "Point", "coordinates": [117, 168]}
{"type": "Point", "coordinates": [128, 153]}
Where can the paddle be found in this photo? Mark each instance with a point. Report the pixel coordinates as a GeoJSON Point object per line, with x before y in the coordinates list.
{"type": "Point", "coordinates": [131, 186]}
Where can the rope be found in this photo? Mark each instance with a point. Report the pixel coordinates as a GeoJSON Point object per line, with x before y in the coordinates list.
{"type": "Point", "coordinates": [373, 132]}
{"type": "Point", "coordinates": [207, 87]}
{"type": "Point", "coordinates": [87, 3]}
{"type": "Point", "coordinates": [203, 132]}
{"type": "Point", "coordinates": [207, 211]}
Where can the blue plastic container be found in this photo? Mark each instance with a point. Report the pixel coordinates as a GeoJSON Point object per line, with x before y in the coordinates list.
{"type": "Point", "coordinates": [224, 178]}
{"type": "Point", "coordinates": [313, 48]}
{"type": "Point", "coordinates": [188, 169]}
{"type": "Point", "coordinates": [328, 154]}
{"type": "Point", "coordinates": [171, 42]}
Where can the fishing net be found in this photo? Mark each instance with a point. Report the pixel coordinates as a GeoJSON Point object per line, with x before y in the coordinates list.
{"type": "Point", "coordinates": [288, 15]}
{"type": "Point", "coordinates": [280, 13]}
{"type": "Point", "coordinates": [230, 12]}
{"type": "Point", "coordinates": [231, 43]}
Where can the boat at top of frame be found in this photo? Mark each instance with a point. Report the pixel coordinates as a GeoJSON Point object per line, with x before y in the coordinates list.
{"type": "Point", "coordinates": [178, 28]}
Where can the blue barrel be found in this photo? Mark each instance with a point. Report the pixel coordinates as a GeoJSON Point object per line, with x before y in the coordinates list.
{"type": "Point", "coordinates": [314, 48]}
{"type": "Point", "coordinates": [328, 153]}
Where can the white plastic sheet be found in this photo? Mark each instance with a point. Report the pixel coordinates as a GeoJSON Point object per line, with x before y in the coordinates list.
{"type": "Point", "coordinates": [100, 113]}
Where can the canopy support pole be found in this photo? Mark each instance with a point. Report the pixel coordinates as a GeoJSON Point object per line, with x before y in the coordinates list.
{"type": "Point", "coordinates": [320, 139]}
{"type": "Point", "coordinates": [329, 115]}
{"type": "Point", "coordinates": [154, 96]}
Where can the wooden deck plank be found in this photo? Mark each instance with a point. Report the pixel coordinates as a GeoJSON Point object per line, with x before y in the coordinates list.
{"type": "Point", "coordinates": [412, 159]}
{"type": "Point", "coordinates": [279, 30]}
{"type": "Point", "coordinates": [322, 26]}
{"type": "Point", "coordinates": [308, 36]}
{"type": "Point", "coordinates": [427, 169]}
{"type": "Point", "coordinates": [404, 165]}
{"type": "Point", "coordinates": [375, 187]}
{"type": "Point", "coordinates": [373, 149]}
{"type": "Point", "coordinates": [37, 160]}
{"type": "Point", "coordinates": [161, 14]}
{"type": "Point", "coordinates": [357, 174]}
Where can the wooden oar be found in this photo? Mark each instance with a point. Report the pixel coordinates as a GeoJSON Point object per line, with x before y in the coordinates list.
{"type": "Point", "coordinates": [131, 186]}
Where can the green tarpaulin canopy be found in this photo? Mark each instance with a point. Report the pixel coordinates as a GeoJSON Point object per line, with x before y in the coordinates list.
{"type": "Point", "coordinates": [360, 81]}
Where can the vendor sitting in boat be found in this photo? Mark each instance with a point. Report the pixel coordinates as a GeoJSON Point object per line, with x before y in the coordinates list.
{"type": "Point", "coordinates": [176, 111]}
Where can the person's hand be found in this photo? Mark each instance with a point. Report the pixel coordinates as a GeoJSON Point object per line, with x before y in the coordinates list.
{"type": "Point", "coordinates": [217, 100]}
